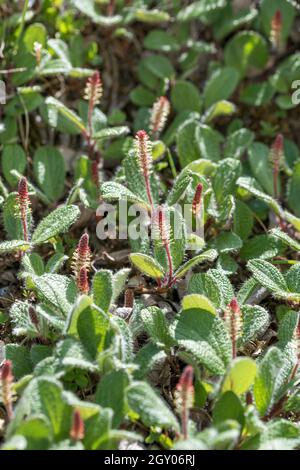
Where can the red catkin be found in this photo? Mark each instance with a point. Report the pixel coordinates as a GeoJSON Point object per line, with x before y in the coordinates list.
{"type": "Point", "coordinates": [77, 429]}
{"type": "Point", "coordinates": [83, 281]}
{"type": "Point", "coordinates": [197, 199]}
{"type": "Point", "coordinates": [82, 255]}
{"type": "Point", "coordinates": [129, 298]}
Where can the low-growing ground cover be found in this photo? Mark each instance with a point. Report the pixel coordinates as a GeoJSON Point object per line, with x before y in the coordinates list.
{"type": "Point", "coordinates": [149, 254]}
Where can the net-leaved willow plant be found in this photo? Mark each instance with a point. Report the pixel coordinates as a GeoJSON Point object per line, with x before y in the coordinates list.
{"type": "Point", "coordinates": [160, 252]}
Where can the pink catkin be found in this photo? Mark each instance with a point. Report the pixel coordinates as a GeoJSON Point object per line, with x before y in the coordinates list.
{"type": "Point", "coordinates": [77, 429]}
{"type": "Point", "coordinates": [165, 239]}
{"type": "Point", "coordinates": [197, 199]}
{"type": "Point", "coordinates": [143, 148]}
{"type": "Point", "coordinates": [297, 343]}
{"type": "Point", "coordinates": [129, 298]}
{"type": "Point", "coordinates": [277, 156]}
{"type": "Point", "coordinates": [185, 394]}
{"type": "Point", "coordinates": [6, 376]}
{"type": "Point", "coordinates": [83, 281]}
{"type": "Point", "coordinates": [276, 29]}
{"type": "Point", "coordinates": [24, 205]}
{"type": "Point", "coordinates": [82, 255]}
{"type": "Point", "coordinates": [159, 115]}
{"type": "Point", "coordinates": [233, 321]}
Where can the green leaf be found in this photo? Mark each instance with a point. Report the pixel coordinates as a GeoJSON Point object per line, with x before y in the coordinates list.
{"type": "Point", "coordinates": [103, 289]}
{"type": "Point", "coordinates": [147, 265]}
{"type": "Point", "coordinates": [250, 185]}
{"type": "Point", "coordinates": [159, 40]}
{"type": "Point", "coordinates": [246, 50]}
{"type": "Point", "coordinates": [268, 276]}
{"type": "Point", "coordinates": [293, 190]}
{"type": "Point", "coordinates": [204, 284]}
{"type": "Point", "coordinates": [55, 263]}
{"type": "Point", "coordinates": [198, 9]}
{"type": "Point", "coordinates": [198, 301]}
{"type": "Point", "coordinates": [227, 241]}
{"type": "Point", "coordinates": [188, 147]}
{"type": "Point", "coordinates": [243, 220]}
{"type": "Point", "coordinates": [221, 108]}
{"type": "Point", "coordinates": [179, 188]}
{"type": "Point", "coordinates": [58, 221]}
{"type": "Point", "coordinates": [70, 354]}
{"type": "Point", "coordinates": [205, 336]}
{"type": "Point", "coordinates": [13, 158]}
{"type": "Point", "coordinates": [112, 191]}
{"type": "Point", "coordinates": [141, 96]}
{"type": "Point", "coordinates": [152, 410]}
{"type": "Point", "coordinates": [255, 322]}
{"type": "Point", "coordinates": [146, 358]}
{"type": "Point", "coordinates": [20, 318]}
{"type": "Point", "coordinates": [185, 96]}
{"type": "Point", "coordinates": [56, 107]}
{"type": "Point", "coordinates": [151, 16]}
{"type": "Point", "coordinates": [209, 255]}
{"type": "Point", "coordinates": [56, 290]}
{"type": "Point", "coordinates": [92, 326]}
{"type": "Point", "coordinates": [221, 85]}
{"type": "Point", "coordinates": [20, 358]}
{"type": "Point", "coordinates": [111, 133]}
{"type": "Point", "coordinates": [259, 159]}
{"type": "Point", "coordinates": [257, 94]}
{"type": "Point", "coordinates": [286, 239]}
{"type": "Point", "coordinates": [14, 245]}
{"type": "Point", "coordinates": [37, 432]}
{"type": "Point", "coordinates": [293, 278]}
{"type": "Point", "coordinates": [262, 246]}
{"type": "Point", "coordinates": [228, 406]}
{"type": "Point", "coordinates": [240, 376]}
{"type": "Point", "coordinates": [232, 19]}
{"type": "Point", "coordinates": [287, 327]}
{"type": "Point", "coordinates": [155, 324]}
{"type": "Point", "coordinates": [43, 395]}
{"type": "Point", "coordinates": [34, 33]}
{"type": "Point", "coordinates": [224, 181]}
{"type": "Point", "coordinates": [49, 170]}
{"type": "Point", "coordinates": [266, 382]}
{"type": "Point", "coordinates": [111, 393]}
{"type": "Point", "coordinates": [159, 66]}
{"type": "Point", "coordinates": [74, 312]}
{"type": "Point", "coordinates": [89, 8]}
{"type": "Point", "coordinates": [224, 285]}
{"type": "Point", "coordinates": [119, 281]}
{"type": "Point", "coordinates": [124, 339]}
{"type": "Point", "coordinates": [237, 143]}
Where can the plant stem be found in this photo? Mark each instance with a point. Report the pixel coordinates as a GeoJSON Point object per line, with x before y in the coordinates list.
{"type": "Point", "coordinates": [25, 8]}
